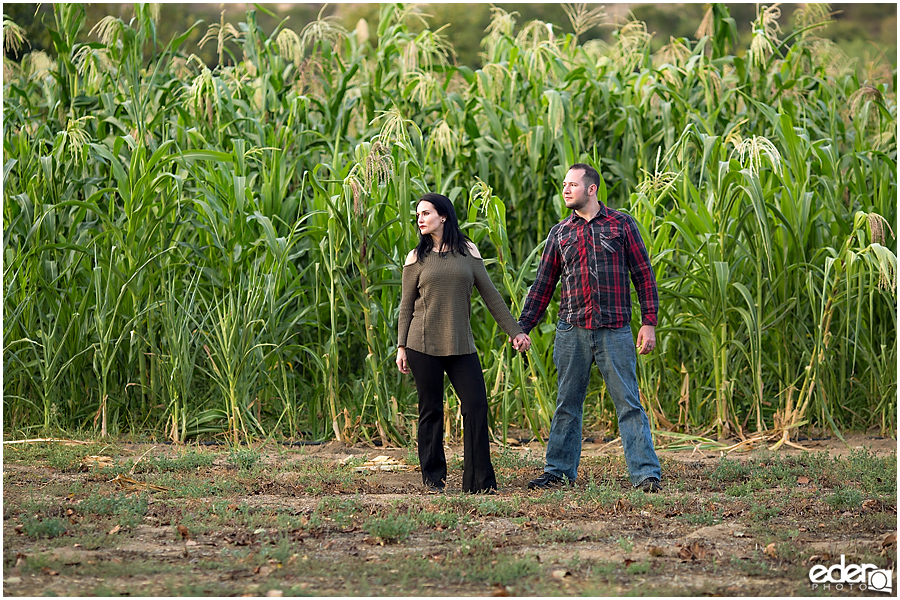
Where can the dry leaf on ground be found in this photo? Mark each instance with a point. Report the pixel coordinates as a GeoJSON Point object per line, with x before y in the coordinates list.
{"type": "Point", "coordinates": [89, 462]}
{"type": "Point", "coordinates": [384, 463]}
{"type": "Point", "coordinates": [130, 485]}
{"type": "Point", "coordinates": [694, 551]}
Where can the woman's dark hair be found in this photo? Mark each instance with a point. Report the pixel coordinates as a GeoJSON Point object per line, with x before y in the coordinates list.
{"type": "Point", "coordinates": [453, 237]}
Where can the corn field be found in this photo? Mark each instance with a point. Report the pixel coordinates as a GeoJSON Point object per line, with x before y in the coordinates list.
{"type": "Point", "coordinates": [193, 253]}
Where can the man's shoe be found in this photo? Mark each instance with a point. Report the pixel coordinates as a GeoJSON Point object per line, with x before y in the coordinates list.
{"type": "Point", "coordinates": [546, 481]}
{"type": "Point", "coordinates": [650, 485]}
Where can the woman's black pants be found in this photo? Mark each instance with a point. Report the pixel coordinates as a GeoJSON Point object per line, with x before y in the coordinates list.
{"type": "Point", "coordinates": [468, 382]}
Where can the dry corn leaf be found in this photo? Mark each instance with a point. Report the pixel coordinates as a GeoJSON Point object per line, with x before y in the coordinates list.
{"type": "Point", "coordinates": [560, 574]}
{"type": "Point", "coordinates": [384, 463]}
{"type": "Point", "coordinates": [89, 462]}
{"type": "Point", "coordinates": [770, 550]}
{"type": "Point", "coordinates": [889, 539]}
{"type": "Point", "coordinates": [656, 551]}
{"type": "Point", "coordinates": [130, 485]}
{"type": "Point", "coordinates": [803, 480]}
{"type": "Point", "coordinates": [115, 529]}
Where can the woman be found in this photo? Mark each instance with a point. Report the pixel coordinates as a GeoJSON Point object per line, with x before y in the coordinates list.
{"type": "Point", "coordinates": [435, 336]}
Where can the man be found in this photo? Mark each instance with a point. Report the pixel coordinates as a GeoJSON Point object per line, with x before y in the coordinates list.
{"type": "Point", "coordinates": [594, 251]}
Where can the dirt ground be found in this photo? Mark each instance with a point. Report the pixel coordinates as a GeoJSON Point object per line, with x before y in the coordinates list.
{"type": "Point", "coordinates": [303, 522]}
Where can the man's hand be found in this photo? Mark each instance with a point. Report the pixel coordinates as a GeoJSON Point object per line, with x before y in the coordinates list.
{"type": "Point", "coordinates": [646, 339]}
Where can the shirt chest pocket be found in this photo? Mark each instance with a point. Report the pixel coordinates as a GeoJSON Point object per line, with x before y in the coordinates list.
{"type": "Point", "coordinates": [569, 246]}
{"type": "Point", "coordinates": [609, 239]}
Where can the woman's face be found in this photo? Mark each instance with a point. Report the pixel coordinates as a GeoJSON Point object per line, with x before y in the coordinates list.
{"type": "Point", "coordinates": [428, 219]}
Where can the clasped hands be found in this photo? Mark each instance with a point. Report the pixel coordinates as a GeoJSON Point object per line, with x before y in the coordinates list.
{"type": "Point", "coordinates": [521, 342]}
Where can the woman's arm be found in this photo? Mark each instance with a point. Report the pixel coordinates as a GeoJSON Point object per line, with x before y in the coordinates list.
{"type": "Point", "coordinates": [407, 303]}
{"type": "Point", "coordinates": [492, 297]}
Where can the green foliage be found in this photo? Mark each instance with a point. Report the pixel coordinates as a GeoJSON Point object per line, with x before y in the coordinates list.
{"type": "Point", "coordinates": [193, 252]}
{"type": "Point", "coordinates": [392, 528]}
{"type": "Point", "coordinates": [127, 510]}
{"type": "Point", "coordinates": [46, 527]}
{"type": "Point", "coordinates": [244, 458]}
{"type": "Point", "coordinates": [845, 497]}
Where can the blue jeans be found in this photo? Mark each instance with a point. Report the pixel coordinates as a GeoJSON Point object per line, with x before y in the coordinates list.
{"type": "Point", "coordinates": [613, 351]}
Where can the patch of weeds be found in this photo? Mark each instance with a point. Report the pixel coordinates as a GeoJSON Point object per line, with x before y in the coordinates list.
{"type": "Point", "coordinates": [501, 570]}
{"type": "Point", "coordinates": [638, 568]}
{"type": "Point", "coordinates": [750, 567]}
{"type": "Point", "coordinates": [845, 498]}
{"type": "Point", "coordinates": [96, 541]}
{"type": "Point", "coordinates": [244, 458]}
{"type": "Point", "coordinates": [392, 528]}
{"type": "Point", "coordinates": [603, 494]}
{"type": "Point", "coordinates": [877, 475]}
{"type": "Point", "coordinates": [412, 456]}
{"type": "Point", "coordinates": [128, 510]}
{"type": "Point", "coordinates": [281, 551]}
{"type": "Point", "coordinates": [739, 490]}
{"type": "Point", "coordinates": [459, 504]}
{"type": "Point", "coordinates": [477, 546]}
{"type": "Point", "coordinates": [489, 507]}
{"type": "Point", "coordinates": [728, 471]}
{"type": "Point", "coordinates": [59, 456]}
{"type": "Point", "coordinates": [341, 510]}
{"type": "Point", "coordinates": [36, 527]}
{"type": "Point", "coordinates": [316, 476]}
{"type": "Point", "coordinates": [556, 534]}
{"type": "Point", "coordinates": [704, 518]}
{"type": "Point", "coordinates": [507, 458]}
{"type": "Point", "coordinates": [442, 519]}
{"type": "Point", "coordinates": [762, 511]}
{"type": "Point", "coordinates": [189, 460]}
{"type": "Point", "coordinates": [182, 486]}
{"type": "Point", "coordinates": [626, 544]}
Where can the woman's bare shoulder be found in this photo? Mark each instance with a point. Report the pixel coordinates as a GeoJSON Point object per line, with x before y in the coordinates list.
{"type": "Point", "coordinates": [473, 249]}
{"type": "Point", "coordinates": [411, 257]}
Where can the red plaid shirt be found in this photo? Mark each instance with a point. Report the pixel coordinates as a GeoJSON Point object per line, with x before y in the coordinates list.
{"type": "Point", "coordinates": [594, 259]}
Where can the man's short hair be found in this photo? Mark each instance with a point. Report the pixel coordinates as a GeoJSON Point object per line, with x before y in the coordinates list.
{"type": "Point", "coordinates": [591, 176]}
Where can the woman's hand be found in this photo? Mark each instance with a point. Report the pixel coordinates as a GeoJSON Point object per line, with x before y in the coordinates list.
{"type": "Point", "coordinates": [521, 342]}
{"type": "Point", "coordinates": [402, 363]}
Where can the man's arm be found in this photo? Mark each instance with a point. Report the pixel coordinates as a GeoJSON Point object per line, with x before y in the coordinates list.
{"type": "Point", "coordinates": [544, 285]}
{"type": "Point", "coordinates": [642, 273]}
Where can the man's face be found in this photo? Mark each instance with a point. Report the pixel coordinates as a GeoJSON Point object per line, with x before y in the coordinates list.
{"type": "Point", "coordinates": [575, 190]}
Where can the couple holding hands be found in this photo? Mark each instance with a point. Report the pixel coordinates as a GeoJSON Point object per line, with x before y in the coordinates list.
{"type": "Point", "coordinates": [596, 252]}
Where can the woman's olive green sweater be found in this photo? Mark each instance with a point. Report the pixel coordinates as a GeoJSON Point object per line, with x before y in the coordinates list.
{"type": "Point", "coordinates": [436, 304]}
